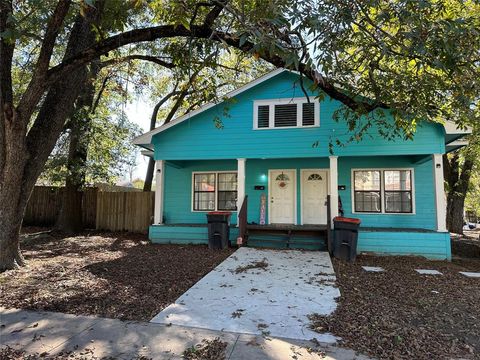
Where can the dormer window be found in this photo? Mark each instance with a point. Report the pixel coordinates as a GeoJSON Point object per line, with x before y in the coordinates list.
{"type": "Point", "coordinates": [286, 113]}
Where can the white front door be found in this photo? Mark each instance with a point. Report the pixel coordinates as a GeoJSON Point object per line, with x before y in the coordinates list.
{"type": "Point", "coordinates": [282, 190]}
{"type": "Point", "coordinates": [314, 196]}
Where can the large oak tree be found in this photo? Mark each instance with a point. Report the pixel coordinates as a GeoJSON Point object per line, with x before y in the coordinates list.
{"type": "Point", "coordinates": [417, 59]}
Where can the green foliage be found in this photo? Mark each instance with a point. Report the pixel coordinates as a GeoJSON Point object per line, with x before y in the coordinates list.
{"type": "Point", "coordinates": [472, 201]}
{"type": "Point", "coordinates": [111, 153]}
{"type": "Point", "coordinates": [418, 60]}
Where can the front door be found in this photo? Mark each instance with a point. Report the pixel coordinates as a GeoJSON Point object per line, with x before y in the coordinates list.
{"type": "Point", "coordinates": [282, 191]}
{"type": "Point", "coordinates": [314, 197]}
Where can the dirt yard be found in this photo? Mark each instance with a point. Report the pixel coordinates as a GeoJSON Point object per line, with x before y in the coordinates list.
{"type": "Point", "coordinates": [467, 245]}
{"type": "Point", "coordinates": [400, 314]}
{"type": "Point", "coordinates": [114, 275]}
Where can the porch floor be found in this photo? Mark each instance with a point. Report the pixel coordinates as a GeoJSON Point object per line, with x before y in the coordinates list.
{"type": "Point", "coordinates": [287, 227]}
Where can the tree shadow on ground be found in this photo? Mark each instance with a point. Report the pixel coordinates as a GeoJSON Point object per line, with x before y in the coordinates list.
{"type": "Point", "coordinates": [116, 275]}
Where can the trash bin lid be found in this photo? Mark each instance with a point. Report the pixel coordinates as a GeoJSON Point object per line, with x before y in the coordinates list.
{"type": "Point", "coordinates": [347, 220]}
{"type": "Point", "coordinates": [225, 213]}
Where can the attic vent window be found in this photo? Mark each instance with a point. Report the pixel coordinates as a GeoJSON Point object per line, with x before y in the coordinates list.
{"type": "Point", "coordinates": [263, 116]}
{"type": "Point", "coordinates": [286, 113]}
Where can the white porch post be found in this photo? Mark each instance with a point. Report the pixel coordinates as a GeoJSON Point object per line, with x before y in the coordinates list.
{"type": "Point", "coordinates": [440, 200]}
{"type": "Point", "coordinates": [240, 184]}
{"type": "Point", "coordinates": [159, 183]}
{"type": "Point", "coordinates": [333, 187]}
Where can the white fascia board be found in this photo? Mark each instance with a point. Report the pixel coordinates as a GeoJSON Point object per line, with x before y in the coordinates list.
{"type": "Point", "coordinates": [147, 137]}
{"type": "Point", "coordinates": [452, 128]}
{"type": "Point", "coordinates": [148, 153]}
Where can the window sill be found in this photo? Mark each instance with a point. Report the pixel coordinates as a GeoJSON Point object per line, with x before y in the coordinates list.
{"type": "Point", "coordinates": [288, 127]}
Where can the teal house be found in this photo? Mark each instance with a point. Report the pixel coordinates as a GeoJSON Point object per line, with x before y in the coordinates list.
{"type": "Point", "coordinates": [264, 155]}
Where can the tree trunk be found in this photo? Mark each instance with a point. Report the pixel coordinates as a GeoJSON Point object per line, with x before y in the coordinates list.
{"type": "Point", "coordinates": [455, 206]}
{"type": "Point", "coordinates": [12, 203]}
{"type": "Point", "coordinates": [457, 175]}
{"type": "Point", "coordinates": [24, 155]}
{"type": "Point", "coordinates": [70, 217]}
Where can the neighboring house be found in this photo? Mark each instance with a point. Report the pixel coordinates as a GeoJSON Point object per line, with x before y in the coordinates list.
{"type": "Point", "coordinates": [274, 142]}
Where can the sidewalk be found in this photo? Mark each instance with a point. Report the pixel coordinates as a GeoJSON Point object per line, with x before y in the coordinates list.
{"type": "Point", "coordinates": [40, 332]}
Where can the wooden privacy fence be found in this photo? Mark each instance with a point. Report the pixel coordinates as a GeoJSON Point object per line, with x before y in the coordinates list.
{"type": "Point", "coordinates": [43, 206]}
{"type": "Point", "coordinates": [114, 211]}
{"type": "Point", "coordinates": [124, 211]}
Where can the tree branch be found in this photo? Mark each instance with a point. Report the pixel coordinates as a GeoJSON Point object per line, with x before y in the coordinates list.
{"type": "Point", "coordinates": [214, 13]}
{"type": "Point", "coordinates": [153, 59]}
{"type": "Point", "coordinates": [53, 28]}
{"type": "Point", "coordinates": [33, 92]}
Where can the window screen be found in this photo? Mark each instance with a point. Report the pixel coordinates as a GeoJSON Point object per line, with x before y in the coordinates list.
{"type": "Point", "coordinates": [308, 114]}
{"type": "Point", "coordinates": [398, 191]}
{"type": "Point", "coordinates": [367, 191]}
{"type": "Point", "coordinates": [204, 192]}
{"type": "Point", "coordinates": [285, 115]}
{"type": "Point", "coordinates": [263, 116]}
{"type": "Point", "coordinates": [227, 191]}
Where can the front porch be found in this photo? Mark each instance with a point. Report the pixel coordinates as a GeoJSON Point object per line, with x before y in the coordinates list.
{"type": "Point", "coordinates": [287, 202]}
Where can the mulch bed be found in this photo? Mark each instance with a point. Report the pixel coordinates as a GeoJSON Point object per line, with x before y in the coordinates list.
{"type": "Point", "coordinates": [8, 353]}
{"type": "Point", "coordinates": [467, 245]}
{"type": "Point", "coordinates": [207, 350]}
{"type": "Point", "coordinates": [400, 314]}
{"type": "Point", "coordinates": [116, 275]}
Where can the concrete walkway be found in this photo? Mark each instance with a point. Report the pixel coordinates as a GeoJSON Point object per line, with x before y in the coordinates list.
{"type": "Point", "coordinates": [260, 291]}
{"type": "Point", "coordinates": [40, 332]}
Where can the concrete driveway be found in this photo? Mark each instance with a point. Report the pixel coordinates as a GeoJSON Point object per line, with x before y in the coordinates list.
{"type": "Point", "coordinates": [257, 291]}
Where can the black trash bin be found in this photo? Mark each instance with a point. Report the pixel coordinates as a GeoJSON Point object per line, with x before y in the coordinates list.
{"type": "Point", "coordinates": [218, 229]}
{"type": "Point", "coordinates": [345, 238]}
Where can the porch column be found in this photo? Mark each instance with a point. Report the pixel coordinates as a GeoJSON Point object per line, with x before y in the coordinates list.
{"type": "Point", "coordinates": [333, 180]}
{"type": "Point", "coordinates": [240, 184]}
{"type": "Point", "coordinates": [159, 183]}
{"type": "Point", "coordinates": [440, 200]}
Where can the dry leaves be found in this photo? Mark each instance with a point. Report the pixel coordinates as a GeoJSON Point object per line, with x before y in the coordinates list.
{"type": "Point", "coordinates": [117, 275]}
{"type": "Point", "coordinates": [263, 265]}
{"type": "Point", "coordinates": [207, 350]}
{"type": "Point", "coordinates": [400, 314]}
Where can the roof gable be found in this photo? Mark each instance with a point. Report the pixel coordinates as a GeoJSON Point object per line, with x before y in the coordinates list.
{"type": "Point", "coordinates": [146, 139]}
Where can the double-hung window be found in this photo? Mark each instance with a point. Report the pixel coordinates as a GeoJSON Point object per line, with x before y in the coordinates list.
{"type": "Point", "coordinates": [214, 191]}
{"type": "Point", "coordinates": [286, 113]}
{"type": "Point", "coordinates": [383, 191]}
{"type": "Point", "coordinates": [367, 195]}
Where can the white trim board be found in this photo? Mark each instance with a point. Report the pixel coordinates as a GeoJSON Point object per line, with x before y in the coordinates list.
{"type": "Point", "coordinates": [452, 128]}
{"type": "Point", "coordinates": [147, 137]}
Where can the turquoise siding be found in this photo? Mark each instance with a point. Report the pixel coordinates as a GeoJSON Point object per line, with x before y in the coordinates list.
{"type": "Point", "coordinates": [197, 145]}
{"type": "Point", "coordinates": [164, 234]}
{"type": "Point", "coordinates": [178, 190]}
{"type": "Point", "coordinates": [198, 138]}
{"type": "Point", "coordinates": [257, 174]}
{"type": "Point", "coordinates": [432, 245]}
{"type": "Point", "coordinates": [425, 214]}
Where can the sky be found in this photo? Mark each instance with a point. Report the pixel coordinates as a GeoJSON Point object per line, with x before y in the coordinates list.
{"type": "Point", "coordinates": [139, 112]}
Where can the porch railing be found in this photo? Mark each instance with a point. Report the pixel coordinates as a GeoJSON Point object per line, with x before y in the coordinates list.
{"type": "Point", "coordinates": [242, 222]}
{"type": "Point", "coordinates": [329, 226]}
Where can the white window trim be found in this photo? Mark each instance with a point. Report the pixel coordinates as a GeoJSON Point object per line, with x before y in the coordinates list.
{"type": "Point", "coordinates": [192, 190]}
{"type": "Point", "coordinates": [299, 101]}
{"type": "Point", "coordinates": [382, 191]}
